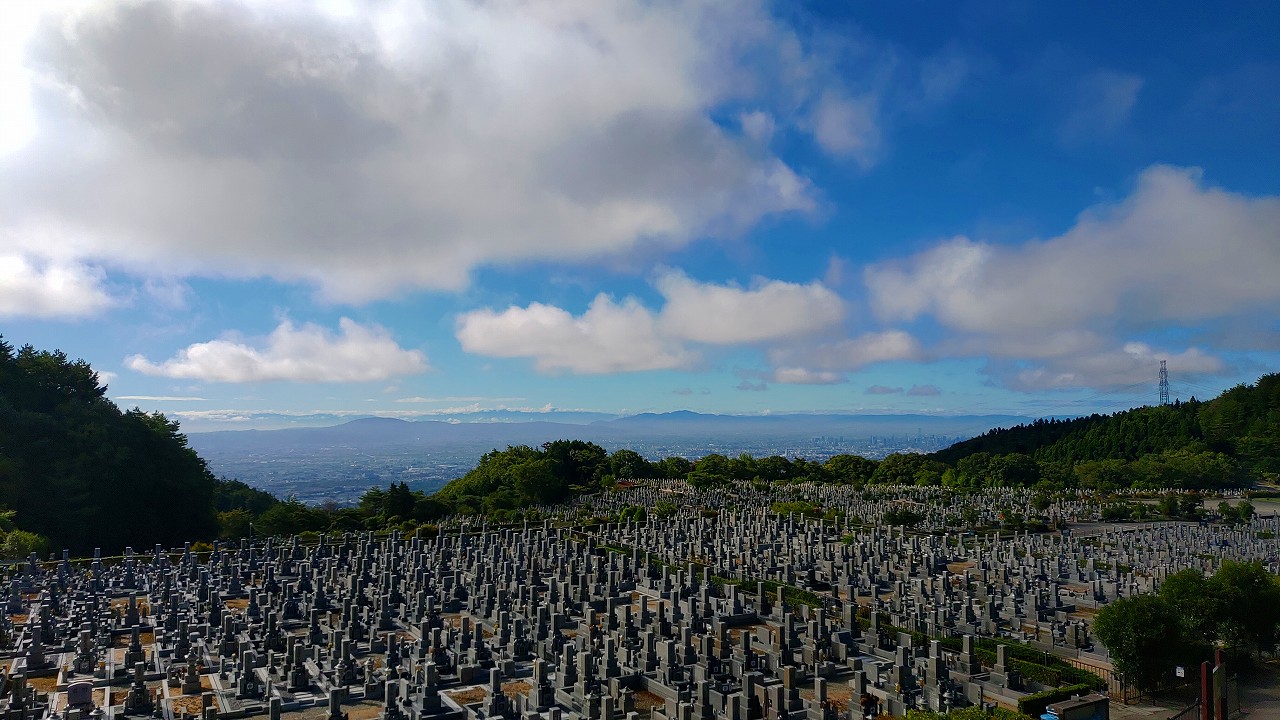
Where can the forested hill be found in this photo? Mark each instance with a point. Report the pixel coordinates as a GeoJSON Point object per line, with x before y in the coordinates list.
{"type": "Point", "coordinates": [1243, 424]}
{"type": "Point", "coordinates": [78, 471]}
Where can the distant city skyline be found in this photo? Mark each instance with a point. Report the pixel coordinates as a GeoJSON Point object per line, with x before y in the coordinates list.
{"type": "Point", "coordinates": [255, 209]}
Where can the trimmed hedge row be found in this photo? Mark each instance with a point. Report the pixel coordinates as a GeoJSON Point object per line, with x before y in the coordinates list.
{"type": "Point", "coordinates": [1029, 662]}
{"type": "Point", "coordinates": [1036, 703]}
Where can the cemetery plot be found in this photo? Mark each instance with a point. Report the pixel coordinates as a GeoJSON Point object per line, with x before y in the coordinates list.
{"type": "Point", "coordinates": [733, 607]}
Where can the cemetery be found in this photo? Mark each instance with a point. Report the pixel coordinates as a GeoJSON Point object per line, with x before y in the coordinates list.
{"type": "Point", "coordinates": [721, 607]}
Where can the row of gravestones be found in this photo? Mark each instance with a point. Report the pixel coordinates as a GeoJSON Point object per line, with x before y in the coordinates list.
{"type": "Point", "coordinates": [680, 616]}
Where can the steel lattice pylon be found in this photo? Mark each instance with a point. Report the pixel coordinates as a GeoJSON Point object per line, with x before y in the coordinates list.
{"type": "Point", "coordinates": [1164, 384]}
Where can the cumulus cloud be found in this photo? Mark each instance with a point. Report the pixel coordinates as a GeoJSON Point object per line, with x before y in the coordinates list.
{"type": "Point", "coordinates": [1174, 250]}
{"type": "Point", "coordinates": [758, 125]}
{"type": "Point", "coordinates": [729, 315]}
{"type": "Point", "coordinates": [50, 289]}
{"type": "Point", "coordinates": [805, 376]}
{"type": "Point", "coordinates": [308, 353]}
{"type": "Point", "coordinates": [847, 126]}
{"type": "Point", "coordinates": [883, 390]}
{"type": "Point", "coordinates": [1074, 310]}
{"type": "Point", "coordinates": [829, 362]}
{"type": "Point", "coordinates": [626, 336]}
{"type": "Point", "coordinates": [851, 353]}
{"type": "Point", "coordinates": [404, 144]}
{"type": "Point", "coordinates": [609, 337]}
{"type": "Point", "coordinates": [1132, 363]}
{"type": "Point", "coordinates": [924, 391]}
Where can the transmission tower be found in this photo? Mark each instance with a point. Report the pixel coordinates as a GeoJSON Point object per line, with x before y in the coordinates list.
{"type": "Point", "coordinates": [1164, 384]}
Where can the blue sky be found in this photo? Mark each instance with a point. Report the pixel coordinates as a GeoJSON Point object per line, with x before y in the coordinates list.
{"type": "Point", "coordinates": [420, 209]}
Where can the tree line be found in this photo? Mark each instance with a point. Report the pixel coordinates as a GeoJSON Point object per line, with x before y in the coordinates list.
{"type": "Point", "coordinates": [1235, 435]}
{"type": "Point", "coordinates": [1237, 609]}
{"type": "Point", "coordinates": [77, 472]}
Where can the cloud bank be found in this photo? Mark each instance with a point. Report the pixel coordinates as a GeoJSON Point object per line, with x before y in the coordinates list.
{"type": "Point", "coordinates": [626, 336]}
{"type": "Point", "coordinates": [1174, 253]}
{"type": "Point", "coordinates": [56, 289]}
{"type": "Point", "coordinates": [309, 353]}
{"type": "Point", "coordinates": [402, 145]}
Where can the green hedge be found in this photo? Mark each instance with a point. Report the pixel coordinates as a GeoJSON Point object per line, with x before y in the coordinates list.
{"type": "Point", "coordinates": [1036, 703]}
{"type": "Point", "coordinates": [1029, 662]}
{"type": "Point", "coordinates": [973, 712]}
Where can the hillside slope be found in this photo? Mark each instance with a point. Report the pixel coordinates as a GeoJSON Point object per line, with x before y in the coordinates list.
{"type": "Point", "coordinates": [1242, 424]}
{"type": "Point", "coordinates": [79, 471]}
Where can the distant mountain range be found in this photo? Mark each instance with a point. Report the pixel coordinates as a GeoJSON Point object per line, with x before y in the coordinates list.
{"type": "Point", "coordinates": [522, 428]}
{"type": "Point", "coordinates": [338, 462]}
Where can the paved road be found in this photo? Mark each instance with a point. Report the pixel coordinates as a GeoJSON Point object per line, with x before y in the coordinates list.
{"type": "Point", "coordinates": [1259, 700]}
{"type": "Point", "coordinates": [1260, 693]}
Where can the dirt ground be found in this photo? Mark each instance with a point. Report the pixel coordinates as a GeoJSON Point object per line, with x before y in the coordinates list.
{"type": "Point", "coordinates": [646, 700]}
{"type": "Point", "coordinates": [511, 688]}
{"type": "Point", "coordinates": [837, 696]}
{"type": "Point", "coordinates": [46, 684]}
{"type": "Point", "coordinates": [364, 710]}
{"type": "Point", "coordinates": [470, 695]}
{"type": "Point", "coordinates": [122, 641]}
{"type": "Point", "coordinates": [189, 704]}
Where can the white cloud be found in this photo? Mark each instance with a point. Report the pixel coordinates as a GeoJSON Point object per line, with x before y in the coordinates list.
{"type": "Point", "coordinates": [608, 338]}
{"type": "Point", "coordinates": [613, 337]}
{"type": "Point", "coordinates": [805, 376]}
{"type": "Point", "coordinates": [161, 398]}
{"type": "Point", "coordinates": [1063, 312]}
{"type": "Point", "coordinates": [847, 126]}
{"type": "Point", "coordinates": [728, 315]}
{"type": "Point", "coordinates": [50, 289]}
{"type": "Point", "coordinates": [1133, 362]}
{"type": "Point", "coordinates": [851, 353]}
{"type": "Point", "coordinates": [402, 144]}
{"type": "Point", "coordinates": [17, 122]}
{"type": "Point", "coordinates": [308, 353]}
{"type": "Point", "coordinates": [167, 293]}
{"type": "Point", "coordinates": [1175, 250]}
{"type": "Point", "coordinates": [1031, 345]}
{"type": "Point", "coordinates": [758, 125]}
{"type": "Point", "coordinates": [829, 362]}
{"type": "Point", "coordinates": [203, 420]}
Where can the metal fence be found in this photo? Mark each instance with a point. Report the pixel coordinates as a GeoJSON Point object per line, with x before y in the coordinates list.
{"type": "Point", "coordinates": [1116, 688]}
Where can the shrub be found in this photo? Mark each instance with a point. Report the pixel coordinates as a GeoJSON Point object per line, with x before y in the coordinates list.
{"type": "Point", "coordinates": [19, 544]}
{"type": "Point", "coordinates": [1035, 703]}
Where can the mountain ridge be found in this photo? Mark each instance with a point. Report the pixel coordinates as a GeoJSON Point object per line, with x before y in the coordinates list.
{"type": "Point", "coordinates": [386, 430]}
